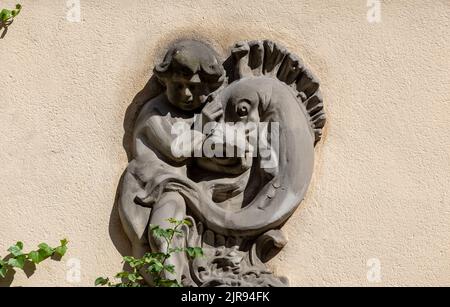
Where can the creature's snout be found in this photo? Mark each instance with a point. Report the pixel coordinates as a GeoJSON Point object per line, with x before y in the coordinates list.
{"type": "Point", "coordinates": [226, 149]}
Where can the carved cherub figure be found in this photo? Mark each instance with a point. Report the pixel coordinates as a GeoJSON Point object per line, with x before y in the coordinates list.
{"type": "Point", "coordinates": [189, 72]}
{"type": "Point", "coordinates": [237, 204]}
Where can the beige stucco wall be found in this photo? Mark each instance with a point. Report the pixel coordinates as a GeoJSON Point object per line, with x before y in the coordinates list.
{"type": "Point", "coordinates": [382, 176]}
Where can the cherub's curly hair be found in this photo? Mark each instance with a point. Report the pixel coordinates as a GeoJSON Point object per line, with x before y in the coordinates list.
{"type": "Point", "coordinates": [188, 57]}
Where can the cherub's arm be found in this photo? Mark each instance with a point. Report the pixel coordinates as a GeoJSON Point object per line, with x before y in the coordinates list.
{"type": "Point", "coordinates": [153, 131]}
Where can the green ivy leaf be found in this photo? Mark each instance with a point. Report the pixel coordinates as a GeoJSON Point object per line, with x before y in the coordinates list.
{"type": "Point", "coordinates": [176, 250]}
{"type": "Point", "coordinates": [136, 285]}
{"type": "Point", "coordinates": [194, 252]}
{"type": "Point", "coordinates": [3, 271]}
{"type": "Point", "coordinates": [187, 222]}
{"type": "Point", "coordinates": [5, 15]}
{"type": "Point", "coordinates": [123, 274]}
{"type": "Point", "coordinates": [167, 283]}
{"type": "Point", "coordinates": [101, 281]}
{"type": "Point", "coordinates": [161, 233]}
{"type": "Point", "coordinates": [34, 257]}
{"type": "Point", "coordinates": [170, 268]}
{"type": "Point", "coordinates": [133, 278]}
{"type": "Point", "coordinates": [173, 221]}
{"type": "Point", "coordinates": [134, 262]}
{"type": "Point", "coordinates": [152, 257]}
{"type": "Point", "coordinates": [129, 259]}
{"type": "Point", "coordinates": [175, 284]}
{"type": "Point", "coordinates": [3, 268]}
{"type": "Point", "coordinates": [16, 250]}
{"type": "Point", "coordinates": [17, 262]}
{"type": "Point", "coordinates": [46, 250]}
{"type": "Point", "coordinates": [39, 255]}
{"type": "Point", "coordinates": [155, 267]}
{"type": "Point", "coordinates": [61, 250]}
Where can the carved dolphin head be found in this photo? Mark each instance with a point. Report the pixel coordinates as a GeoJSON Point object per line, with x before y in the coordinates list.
{"type": "Point", "coordinates": [255, 109]}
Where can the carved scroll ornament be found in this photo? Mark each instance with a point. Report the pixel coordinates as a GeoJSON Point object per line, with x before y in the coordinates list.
{"type": "Point", "coordinates": [237, 203]}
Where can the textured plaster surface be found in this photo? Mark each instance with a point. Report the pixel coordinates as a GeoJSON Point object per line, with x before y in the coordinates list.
{"type": "Point", "coordinates": [382, 177]}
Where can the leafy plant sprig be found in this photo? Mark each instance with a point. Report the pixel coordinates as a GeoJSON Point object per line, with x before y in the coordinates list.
{"type": "Point", "coordinates": [18, 259]}
{"type": "Point", "coordinates": [154, 263]}
{"type": "Point", "coordinates": [8, 15]}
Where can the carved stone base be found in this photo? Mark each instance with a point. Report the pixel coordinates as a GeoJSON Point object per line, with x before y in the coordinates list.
{"type": "Point", "coordinates": [234, 261]}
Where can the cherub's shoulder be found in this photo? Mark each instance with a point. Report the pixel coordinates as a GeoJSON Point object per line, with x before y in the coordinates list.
{"type": "Point", "coordinates": [155, 105]}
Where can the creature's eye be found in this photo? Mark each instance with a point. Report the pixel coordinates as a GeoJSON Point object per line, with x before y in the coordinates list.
{"type": "Point", "coordinates": [243, 108]}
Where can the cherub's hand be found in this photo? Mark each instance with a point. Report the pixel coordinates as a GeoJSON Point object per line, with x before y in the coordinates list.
{"type": "Point", "coordinates": [211, 112]}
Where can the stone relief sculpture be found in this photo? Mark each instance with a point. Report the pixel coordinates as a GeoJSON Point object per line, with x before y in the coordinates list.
{"type": "Point", "coordinates": [237, 202]}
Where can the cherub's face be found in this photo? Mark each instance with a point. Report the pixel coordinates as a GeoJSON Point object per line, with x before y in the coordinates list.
{"type": "Point", "coordinates": [188, 93]}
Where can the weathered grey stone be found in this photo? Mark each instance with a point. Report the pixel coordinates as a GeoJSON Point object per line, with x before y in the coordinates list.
{"type": "Point", "coordinates": [237, 204]}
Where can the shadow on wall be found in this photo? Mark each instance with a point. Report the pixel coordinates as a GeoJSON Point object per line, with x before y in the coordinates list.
{"type": "Point", "coordinates": [116, 233]}
{"type": "Point", "coordinates": [152, 89]}
{"type": "Point", "coordinates": [4, 28]}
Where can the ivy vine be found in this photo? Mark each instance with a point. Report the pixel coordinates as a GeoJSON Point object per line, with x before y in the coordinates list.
{"type": "Point", "coordinates": [154, 263]}
{"type": "Point", "coordinates": [17, 259]}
